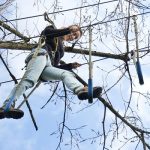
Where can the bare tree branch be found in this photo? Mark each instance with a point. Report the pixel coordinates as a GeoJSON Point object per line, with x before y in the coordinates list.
{"type": "Point", "coordinates": [14, 31]}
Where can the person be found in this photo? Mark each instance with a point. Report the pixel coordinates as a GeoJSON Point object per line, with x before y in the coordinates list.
{"type": "Point", "coordinates": [45, 65]}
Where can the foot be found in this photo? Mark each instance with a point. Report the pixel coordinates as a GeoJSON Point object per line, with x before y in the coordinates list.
{"type": "Point", "coordinates": [2, 114]}
{"type": "Point", "coordinates": [12, 113]}
{"type": "Point", "coordinates": [83, 95]}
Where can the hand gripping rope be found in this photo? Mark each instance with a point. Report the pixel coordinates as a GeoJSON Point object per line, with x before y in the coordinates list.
{"type": "Point", "coordinates": [90, 82]}
{"type": "Point", "coordinates": [135, 55]}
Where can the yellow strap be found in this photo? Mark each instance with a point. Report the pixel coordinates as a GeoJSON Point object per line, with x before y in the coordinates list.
{"type": "Point", "coordinates": [41, 43]}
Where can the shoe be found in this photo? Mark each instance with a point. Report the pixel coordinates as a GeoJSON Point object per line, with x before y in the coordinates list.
{"type": "Point", "coordinates": [11, 113]}
{"type": "Point", "coordinates": [83, 94]}
{"type": "Point", "coordinates": [14, 113]}
{"type": "Point", "coordinates": [2, 113]}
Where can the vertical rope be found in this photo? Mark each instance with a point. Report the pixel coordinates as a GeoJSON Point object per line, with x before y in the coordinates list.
{"type": "Point", "coordinates": [136, 37]}
{"type": "Point", "coordinates": [90, 82]}
{"type": "Point", "coordinates": [136, 54]}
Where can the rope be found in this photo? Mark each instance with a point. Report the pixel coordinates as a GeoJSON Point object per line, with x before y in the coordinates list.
{"type": "Point", "coordinates": [136, 54]}
{"type": "Point", "coordinates": [46, 18]}
{"type": "Point", "coordinates": [41, 43]}
{"type": "Point", "coordinates": [90, 82]}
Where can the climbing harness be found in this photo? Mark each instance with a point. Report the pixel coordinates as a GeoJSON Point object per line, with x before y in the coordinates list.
{"type": "Point", "coordinates": [90, 81]}
{"type": "Point", "coordinates": [135, 55]}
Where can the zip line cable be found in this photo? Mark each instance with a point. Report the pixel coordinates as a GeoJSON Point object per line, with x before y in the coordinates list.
{"type": "Point", "coordinates": [112, 20]}
{"type": "Point", "coordinates": [94, 24]}
{"type": "Point", "coordinates": [138, 4]}
{"type": "Point", "coordinates": [65, 10]}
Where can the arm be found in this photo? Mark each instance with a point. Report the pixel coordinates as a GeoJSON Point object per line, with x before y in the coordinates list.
{"type": "Point", "coordinates": [65, 66]}
{"type": "Point", "coordinates": [50, 32]}
{"type": "Point", "coordinates": [69, 66]}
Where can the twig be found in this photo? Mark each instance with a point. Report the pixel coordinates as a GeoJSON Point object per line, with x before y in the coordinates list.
{"type": "Point", "coordinates": [64, 118]}
{"type": "Point", "coordinates": [51, 96]}
{"type": "Point", "coordinates": [103, 122]}
{"type": "Point", "coordinates": [4, 25]}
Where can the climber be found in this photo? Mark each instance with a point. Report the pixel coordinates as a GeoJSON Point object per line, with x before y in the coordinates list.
{"type": "Point", "coordinates": [44, 65]}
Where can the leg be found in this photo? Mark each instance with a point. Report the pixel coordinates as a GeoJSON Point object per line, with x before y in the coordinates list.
{"type": "Point", "coordinates": [53, 73]}
{"type": "Point", "coordinates": [32, 74]}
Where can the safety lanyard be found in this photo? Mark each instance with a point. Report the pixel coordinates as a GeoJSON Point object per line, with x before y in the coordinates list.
{"type": "Point", "coordinates": [135, 55]}
{"type": "Point", "coordinates": [46, 17]}
{"type": "Point", "coordinates": [41, 43]}
{"type": "Point", "coordinates": [90, 81]}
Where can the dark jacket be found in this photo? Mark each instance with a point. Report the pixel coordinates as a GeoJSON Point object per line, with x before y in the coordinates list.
{"type": "Point", "coordinates": [51, 34]}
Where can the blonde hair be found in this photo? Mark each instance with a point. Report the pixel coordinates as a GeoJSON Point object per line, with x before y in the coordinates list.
{"type": "Point", "coordinates": [78, 28]}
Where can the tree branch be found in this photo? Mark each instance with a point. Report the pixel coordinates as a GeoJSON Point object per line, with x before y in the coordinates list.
{"type": "Point", "coordinates": [26, 46]}
{"type": "Point", "coordinates": [14, 31]}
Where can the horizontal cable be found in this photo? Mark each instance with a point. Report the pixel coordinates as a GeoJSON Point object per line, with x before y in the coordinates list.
{"type": "Point", "coordinates": [60, 11]}
{"type": "Point", "coordinates": [94, 24]}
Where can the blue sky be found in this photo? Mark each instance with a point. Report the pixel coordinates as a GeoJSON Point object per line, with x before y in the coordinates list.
{"type": "Point", "coordinates": [21, 134]}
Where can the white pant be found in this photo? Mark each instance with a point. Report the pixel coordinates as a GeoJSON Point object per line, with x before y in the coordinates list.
{"type": "Point", "coordinates": [41, 67]}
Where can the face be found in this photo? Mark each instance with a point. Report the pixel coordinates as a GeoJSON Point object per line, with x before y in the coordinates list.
{"type": "Point", "coordinates": [73, 36]}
